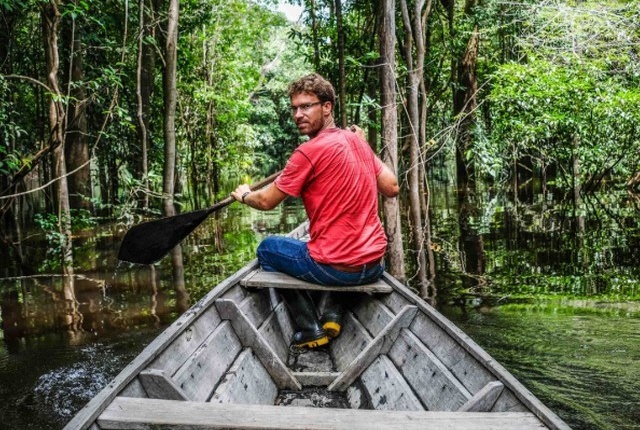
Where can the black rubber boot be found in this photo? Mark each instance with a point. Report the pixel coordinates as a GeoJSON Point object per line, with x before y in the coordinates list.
{"type": "Point", "coordinates": [333, 310]}
{"type": "Point", "coordinates": [310, 333]}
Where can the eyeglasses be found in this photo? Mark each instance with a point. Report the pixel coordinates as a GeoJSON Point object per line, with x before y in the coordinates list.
{"type": "Point", "coordinates": [304, 108]}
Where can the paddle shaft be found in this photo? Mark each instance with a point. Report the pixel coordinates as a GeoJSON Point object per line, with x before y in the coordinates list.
{"type": "Point", "coordinates": [256, 186]}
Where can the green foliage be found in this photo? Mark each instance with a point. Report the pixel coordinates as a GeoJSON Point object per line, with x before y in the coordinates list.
{"type": "Point", "coordinates": [232, 68]}
{"type": "Point", "coordinates": [557, 82]}
{"type": "Point", "coordinates": [555, 114]}
{"type": "Point", "coordinates": [603, 33]}
{"type": "Point", "coordinates": [277, 135]}
{"type": "Point", "coordinates": [48, 223]}
{"type": "Point", "coordinates": [18, 128]}
{"type": "Point", "coordinates": [10, 131]}
{"type": "Point", "coordinates": [13, 5]}
{"type": "Point", "coordinates": [560, 79]}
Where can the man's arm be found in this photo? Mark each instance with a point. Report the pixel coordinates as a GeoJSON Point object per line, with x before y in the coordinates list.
{"type": "Point", "coordinates": [387, 182]}
{"type": "Point", "coordinates": [263, 199]}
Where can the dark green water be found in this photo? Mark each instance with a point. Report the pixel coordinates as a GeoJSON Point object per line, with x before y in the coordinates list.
{"type": "Point", "coordinates": [581, 363]}
{"type": "Point", "coordinates": [553, 294]}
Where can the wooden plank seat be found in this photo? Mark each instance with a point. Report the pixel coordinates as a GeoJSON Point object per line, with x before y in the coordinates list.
{"type": "Point", "coordinates": [262, 279]}
{"type": "Point", "coordinates": [134, 413]}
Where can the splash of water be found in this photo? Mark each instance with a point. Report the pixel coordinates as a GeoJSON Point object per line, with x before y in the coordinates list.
{"type": "Point", "coordinates": [65, 390]}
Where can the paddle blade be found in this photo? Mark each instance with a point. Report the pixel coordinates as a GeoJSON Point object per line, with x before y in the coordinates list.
{"type": "Point", "coordinates": [149, 241]}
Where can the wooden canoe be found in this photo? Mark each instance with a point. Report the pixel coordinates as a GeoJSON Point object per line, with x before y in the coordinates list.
{"type": "Point", "coordinates": [398, 364]}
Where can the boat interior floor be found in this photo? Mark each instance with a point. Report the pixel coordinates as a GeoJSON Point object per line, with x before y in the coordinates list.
{"type": "Point", "coordinates": [312, 361]}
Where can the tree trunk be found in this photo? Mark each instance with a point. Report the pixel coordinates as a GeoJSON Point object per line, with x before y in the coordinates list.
{"type": "Point", "coordinates": [391, 208]}
{"type": "Point", "coordinates": [634, 181]}
{"type": "Point", "coordinates": [170, 101]}
{"type": "Point", "coordinates": [211, 174]}
{"type": "Point", "coordinates": [464, 97]}
{"type": "Point", "coordinates": [577, 184]}
{"type": "Point", "coordinates": [464, 105]}
{"type": "Point", "coordinates": [430, 292]}
{"type": "Point", "coordinates": [50, 21]}
{"type": "Point", "coordinates": [314, 34]}
{"type": "Point", "coordinates": [142, 124]}
{"type": "Point", "coordinates": [76, 145]}
{"type": "Point", "coordinates": [470, 244]}
{"type": "Point", "coordinates": [103, 179]}
{"type": "Point", "coordinates": [342, 84]}
{"type": "Point", "coordinates": [144, 90]}
{"type": "Point", "coordinates": [170, 153]}
{"type": "Point", "coordinates": [373, 88]}
{"type": "Point", "coordinates": [414, 53]}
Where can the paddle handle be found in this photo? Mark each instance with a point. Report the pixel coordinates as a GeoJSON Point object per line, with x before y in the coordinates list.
{"type": "Point", "coordinates": [252, 187]}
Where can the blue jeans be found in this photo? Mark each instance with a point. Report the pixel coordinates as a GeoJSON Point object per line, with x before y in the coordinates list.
{"type": "Point", "coordinates": [291, 256]}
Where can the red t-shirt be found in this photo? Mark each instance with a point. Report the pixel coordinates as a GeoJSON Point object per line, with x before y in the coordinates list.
{"type": "Point", "coordinates": [335, 174]}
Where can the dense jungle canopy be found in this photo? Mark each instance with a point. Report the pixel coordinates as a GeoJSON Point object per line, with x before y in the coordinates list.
{"type": "Point", "coordinates": [128, 109]}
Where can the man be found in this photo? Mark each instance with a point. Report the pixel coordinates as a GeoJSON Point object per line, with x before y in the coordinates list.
{"type": "Point", "coordinates": [338, 177]}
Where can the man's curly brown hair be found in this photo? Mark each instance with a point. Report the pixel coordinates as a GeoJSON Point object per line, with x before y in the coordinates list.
{"type": "Point", "coordinates": [314, 84]}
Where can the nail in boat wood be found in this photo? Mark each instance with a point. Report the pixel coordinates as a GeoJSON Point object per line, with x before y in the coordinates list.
{"type": "Point", "coordinates": [398, 364]}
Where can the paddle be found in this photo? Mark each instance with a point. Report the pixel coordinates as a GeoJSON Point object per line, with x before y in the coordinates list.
{"type": "Point", "coordinates": [149, 241]}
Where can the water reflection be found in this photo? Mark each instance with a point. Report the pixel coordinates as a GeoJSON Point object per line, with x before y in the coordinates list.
{"type": "Point", "coordinates": [49, 304]}
{"type": "Point", "coordinates": [541, 245]}
{"type": "Point", "coordinates": [13, 322]}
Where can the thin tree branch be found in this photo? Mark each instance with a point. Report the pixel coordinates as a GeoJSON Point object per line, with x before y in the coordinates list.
{"type": "Point", "coordinates": [30, 79]}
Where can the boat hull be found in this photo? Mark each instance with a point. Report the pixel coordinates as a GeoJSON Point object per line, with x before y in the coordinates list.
{"type": "Point", "coordinates": [398, 363]}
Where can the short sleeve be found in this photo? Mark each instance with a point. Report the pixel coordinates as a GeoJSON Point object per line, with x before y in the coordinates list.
{"type": "Point", "coordinates": [295, 174]}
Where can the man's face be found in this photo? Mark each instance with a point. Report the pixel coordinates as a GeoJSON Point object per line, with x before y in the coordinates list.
{"type": "Point", "coordinates": [309, 113]}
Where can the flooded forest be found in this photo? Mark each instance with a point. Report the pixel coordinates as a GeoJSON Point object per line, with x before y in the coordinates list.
{"type": "Point", "coordinates": [514, 130]}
